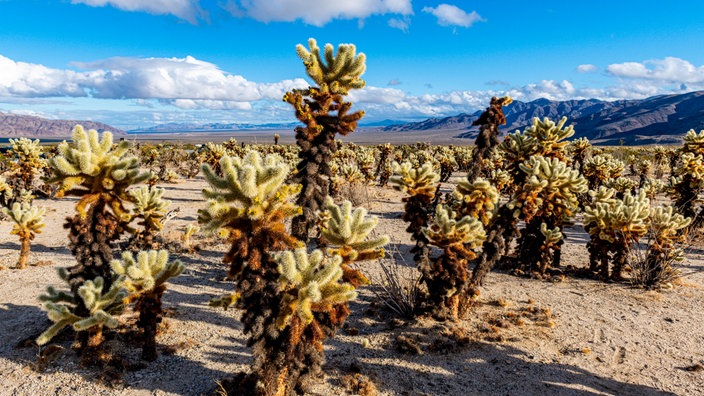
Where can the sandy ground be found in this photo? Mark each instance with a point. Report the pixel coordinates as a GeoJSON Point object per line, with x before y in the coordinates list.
{"type": "Point", "coordinates": [575, 337]}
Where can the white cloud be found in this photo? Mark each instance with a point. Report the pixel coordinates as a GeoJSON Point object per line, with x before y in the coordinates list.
{"type": "Point", "coordinates": [667, 70]}
{"type": "Point", "coordinates": [188, 10]}
{"type": "Point", "coordinates": [401, 24]}
{"type": "Point", "coordinates": [318, 13]}
{"type": "Point", "coordinates": [184, 79]}
{"type": "Point", "coordinates": [450, 15]}
{"type": "Point", "coordinates": [587, 68]}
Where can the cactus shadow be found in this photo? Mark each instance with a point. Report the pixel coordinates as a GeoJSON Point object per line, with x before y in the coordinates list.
{"type": "Point", "coordinates": [36, 248]}
{"type": "Point", "coordinates": [479, 369]}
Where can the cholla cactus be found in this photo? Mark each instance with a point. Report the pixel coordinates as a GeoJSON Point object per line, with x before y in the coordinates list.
{"type": "Point", "coordinates": [383, 165]}
{"type": "Point", "coordinates": [653, 187]}
{"type": "Point", "coordinates": [151, 209]}
{"type": "Point", "coordinates": [477, 200]}
{"type": "Point", "coordinates": [552, 240]}
{"type": "Point", "coordinates": [29, 161]}
{"type": "Point", "coordinates": [100, 174]}
{"type": "Point", "coordinates": [419, 184]}
{"type": "Point", "coordinates": [693, 142]}
{"type": "Point", "coordinates": [613, 225]}
{"type": "Point", "coordinates": [687, 182]}
{"type": "Point", "coordinates": [101, 307]}
{"type": "Point", "coordinates": [5, 193]}
{"type": "Point", "coordinates": [488, 137]}
{"type": "Point", "coordinates": [346, 231]}
{"type": "Point", "coordinates": [212, 153]}
{"type": "Point", "coordinates": [548, 196]}
{"type": "Point", "coordinates": [188, 232]}
{"type": "Point", "coordinates": [248, 206]}
{"type": "Point", "coordinates": [447, 275]}
{"type": "Point", "coordinates": [643, 168]}
{"type": "Point", "coordinates": [501, 179]}
{"type": "Point", "coordinates": [622, 185]}
{"type": "Point", "coordinates": [335, 75]}
{"type": "Point", "coordinates": [600, 168]}
{"type": "Point", "coordinates": [550, 137]}
{"type": "Point", "coordinates": [29, 221]}
{"type": "Point", "coordinates": [145, 279]}
{"type": "Point", "coordinates": [579, 149]}
{"type": "Point", "coordinates": [517, 148]}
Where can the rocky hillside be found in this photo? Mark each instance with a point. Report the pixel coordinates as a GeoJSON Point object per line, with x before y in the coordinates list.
{"type": "Point", "coordinates": [14, 126]}
{"type": "Point", "coordinates": [659, 119]}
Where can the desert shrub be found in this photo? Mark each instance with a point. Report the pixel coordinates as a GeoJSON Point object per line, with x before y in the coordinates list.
{"type": "Point", "coordinates": [324, 112]}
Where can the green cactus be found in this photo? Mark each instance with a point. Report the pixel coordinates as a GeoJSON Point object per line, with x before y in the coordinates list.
{"type": "Point", "coordinates": [548, 196]}
{"type": "Point", "coordinates": [100, 174]}
{"type": "Point", "coordinates": [446, 276]}
{"type": "Point", "coordinates": [101, 307]}
{"type": "Point", "coordinates": [145, 280]}
{"type": "Point", "coordinates": [29, 161]}
{"type": "Point", "coordinates": [29, 221]}
{"type": "Point", "coordinates": [150, 208]}
{"type": "Point", "coordinates": [419, 184]}
{"type": "Point", "coordinates": [324, 112]}
{"type": "Point", "coordinates": [345, 230]}
{"type": "Point", "coordinates": [613, 225]}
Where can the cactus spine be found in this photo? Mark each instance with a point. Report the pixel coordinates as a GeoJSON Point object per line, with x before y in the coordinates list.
{"type": "Point", "coordinates": [324, 112]}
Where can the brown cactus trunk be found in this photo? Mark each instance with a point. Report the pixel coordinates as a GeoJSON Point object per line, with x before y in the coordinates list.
{"type": "Point", "coordinates": [25, 239]}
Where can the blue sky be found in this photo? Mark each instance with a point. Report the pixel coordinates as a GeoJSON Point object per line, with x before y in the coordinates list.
{"type": "Point", "coordinates": [133, 63]}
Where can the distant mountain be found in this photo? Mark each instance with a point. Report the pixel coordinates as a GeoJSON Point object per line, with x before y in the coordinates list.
{"type": "Point", "coordinates": [14, 126]}
{"type": "Point", "coordinates": [213, 127]}
{"type": "Point", "coordinates": [659, 119]}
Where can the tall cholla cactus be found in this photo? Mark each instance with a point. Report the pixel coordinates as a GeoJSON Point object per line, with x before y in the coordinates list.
{"type": "Point", "coordinates": [29, 221]}
{"type": "Point", "coordinates": [325, 113]}
{"type": "Point", "coordinates": [548, 196]}
{"type": "Point", "coordinates": [29, 161]}
{"type": "Point", "coordinates": [613, 225]}
{"type": "Point", "coordinates": [101, 305]}
{"type": "Point", "coordinates": [346, 231]}
{"type": "Point", "coordinates": [145, 279]}
{"type": "Point", "coordinates": [419, 184]}
{"type": "Point", "coordinates": [248, 206]}
{"type": "Point", "coordinates": [550, 137]}
{"type": "Point", "coordinates": [447, 275]}
{"type": "Point", "coordinates": [151, 209]}
{"type": "Point", "coordinates": [488, 122]}
{"type": "Point", "coordinates": [100, 174]}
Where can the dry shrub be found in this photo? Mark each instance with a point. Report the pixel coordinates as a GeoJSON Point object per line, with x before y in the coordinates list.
{"type": "Point", "coordinates": [399, 286]}
{"type": "Point", "coordinates": [360, 384]}
{"type": "Point", "coordinates": [355, 192]}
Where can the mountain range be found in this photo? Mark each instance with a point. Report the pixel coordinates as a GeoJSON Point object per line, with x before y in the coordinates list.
{"type": "Point", "coordinates": [15, 126]}
{"type": "Point", "coordinates": [659, 119]}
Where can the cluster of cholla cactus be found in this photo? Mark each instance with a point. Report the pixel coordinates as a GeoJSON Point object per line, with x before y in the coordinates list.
{"type": "Point", "coordinates": [325, 113]}
{"type": "Point", "coordinates": [29, 221]}
{"type": "Point", "coordinates": [145, 280]}
{"type": "Point", "coordinates": [420, 185]}
{"type": "Point", "coordinates": [600, 168]}
{"type": "Point", "coordinates": [447, 276]}
{"type": "Point", "coordinates": [289, 300]}
{"type": "Point", "coordinates": [614, 225]}
{"type": "Point", "coordinates": [100, 174]}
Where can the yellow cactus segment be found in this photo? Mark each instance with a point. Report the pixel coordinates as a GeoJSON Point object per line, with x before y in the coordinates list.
{"type": "Point", "coordinates": [610, 219]}
{"type": "Point", "coordinates": [311, 282]}
{"type": "Point", "coordinates": [447, 232]}
{"type": "Point", "coordinates": [666, 223]}
{"type": "Point", "coordinates": [150, 270]}
{"type": "Point", "coordinates": [552, 236]}
{"type": "Point", "coordinates": [5, 189]}
{"type": "Point", "coordinates": [150, 206]}
{"type": "Point", "coordinates": [251, 187]}
{"type": "Point", "coordinates": [476, 199]}
{"type": "Point", "coordinates": [414, 181]}
{"type": "Point", "coordinates": [28, 219]}
{"type": "Point", "coordinates": [337, 72]}
{"type": "Point", "coordinates": [101, 307]}
{"type": "Point", "coordinates": [692, 166]}
{"type": "Point", "coordinates": [600, 168]}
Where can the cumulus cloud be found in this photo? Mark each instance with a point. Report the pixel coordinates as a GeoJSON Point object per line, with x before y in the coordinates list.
{"type": "Point", "coordinates": [318, 14]}
{"type": "Point", "coordinates": [400, 24]}
{"type": "Point", "coordinates": [186, 82]}
{"type": "Point", "coordinates": [188, 10]}
{"type": "Point", "coordinates": [450, 15]}
{"type": "Point", "coordinates": [668, 70]}
{"type": "Point", "coordinates": [587, 68]}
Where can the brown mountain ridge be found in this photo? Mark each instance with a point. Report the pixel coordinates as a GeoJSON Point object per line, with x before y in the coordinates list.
{"type": "Point", "coordinates": [15, 126]}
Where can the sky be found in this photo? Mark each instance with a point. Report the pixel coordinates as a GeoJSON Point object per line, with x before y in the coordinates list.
{"type": "Point", "coordinates": [139, 63]}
